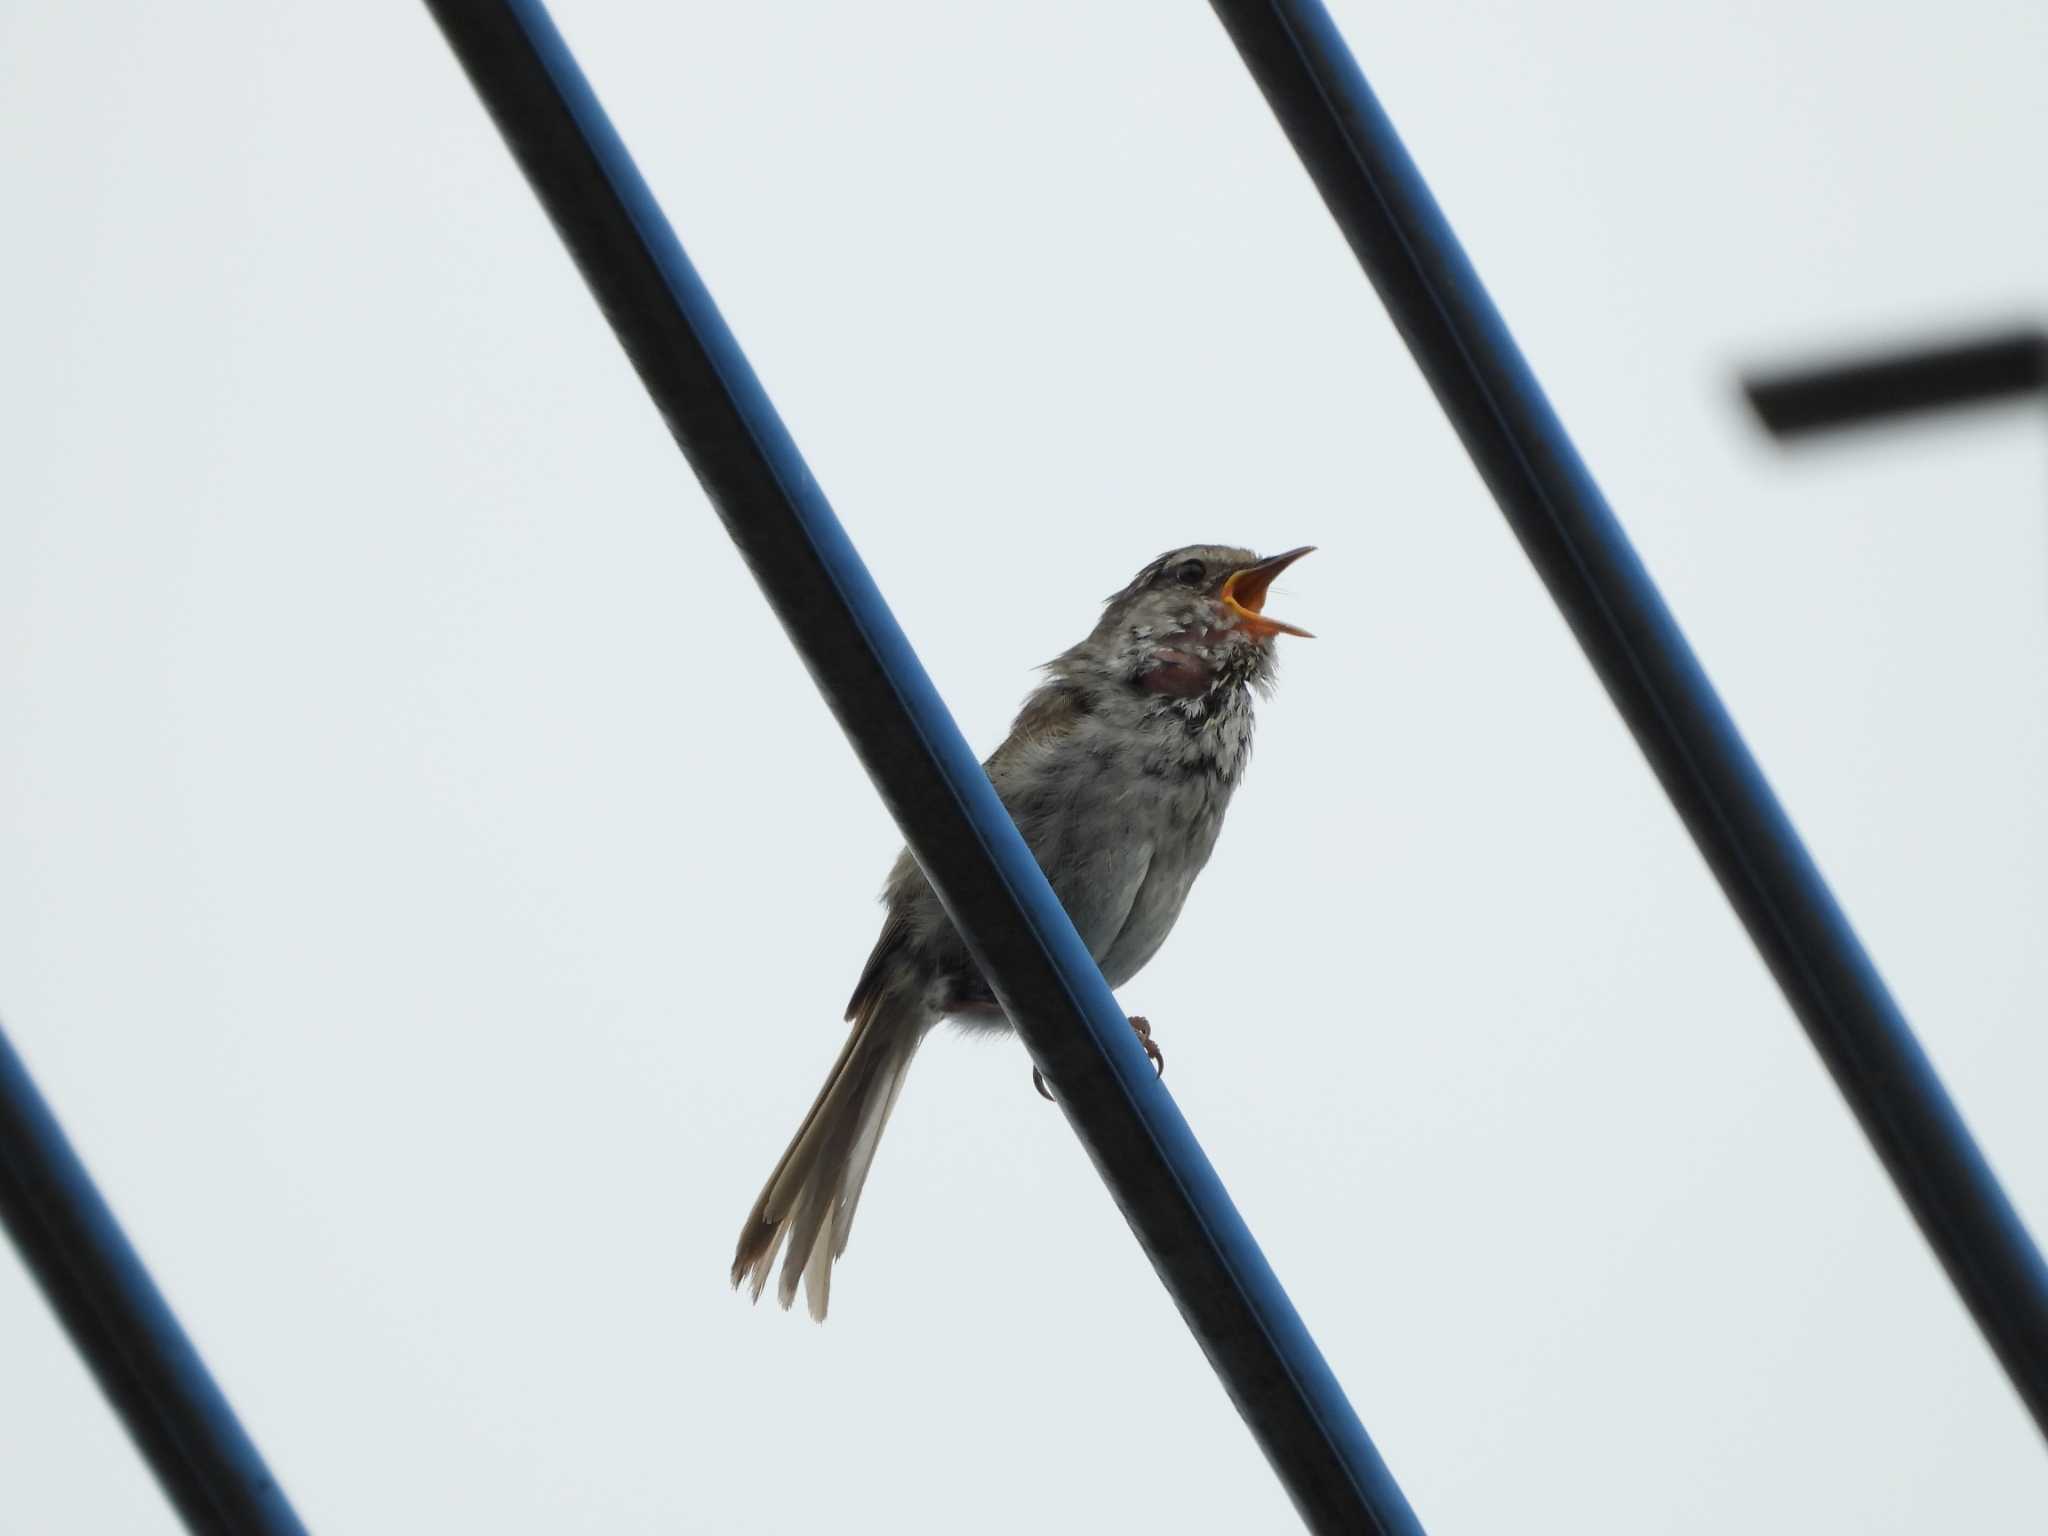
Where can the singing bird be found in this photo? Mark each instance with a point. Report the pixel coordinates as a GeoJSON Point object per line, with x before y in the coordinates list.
{"type": "Point", "coordinates": [1118, 771]}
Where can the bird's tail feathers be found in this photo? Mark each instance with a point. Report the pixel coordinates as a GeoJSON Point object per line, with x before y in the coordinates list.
{"type": "Point", "coordinates": [811, 1196]}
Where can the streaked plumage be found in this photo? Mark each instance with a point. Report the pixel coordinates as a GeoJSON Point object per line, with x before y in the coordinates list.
{"type": "Point", "coordinates": [1118, 770]}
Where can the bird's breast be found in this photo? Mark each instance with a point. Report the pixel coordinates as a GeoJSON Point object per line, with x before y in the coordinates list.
{"type": "Point", "coordinates": [1122, 817]}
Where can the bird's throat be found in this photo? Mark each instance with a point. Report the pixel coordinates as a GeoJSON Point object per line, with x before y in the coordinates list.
{"type": "Point", "coordinates": [1178, 674]}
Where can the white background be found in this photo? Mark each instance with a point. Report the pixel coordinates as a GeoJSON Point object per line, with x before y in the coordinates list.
{"type": "Point", "coordinates": [429, 883]}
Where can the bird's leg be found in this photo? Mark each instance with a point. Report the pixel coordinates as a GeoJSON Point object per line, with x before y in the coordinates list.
{"type": "Point", "coordinates": [1142, 1028]}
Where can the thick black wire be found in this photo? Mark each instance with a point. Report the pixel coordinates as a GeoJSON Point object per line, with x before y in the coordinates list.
{"type": "Point", "coordinates": [934, 786]}
{"type": "Point", "coordinates": [118, 1321]}
{"type": "Point", "coordinates": [1853, 391]}
{"type": "Point", "coordinates": [1464, 350]}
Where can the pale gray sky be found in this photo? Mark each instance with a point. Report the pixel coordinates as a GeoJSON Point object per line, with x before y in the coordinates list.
{"type": "Point", "coordinates": [428, 882]}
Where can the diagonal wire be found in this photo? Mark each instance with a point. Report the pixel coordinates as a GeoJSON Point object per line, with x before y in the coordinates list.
{"type": "Point", "coordinates": [118, 1321]}
{"type": "Point", "coordinates": [1461, 344]}
{"type": "Point", "coordinates": [933, 785]}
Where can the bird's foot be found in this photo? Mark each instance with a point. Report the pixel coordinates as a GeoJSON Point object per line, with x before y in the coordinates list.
{"type": "Point", "coordinates": [1142, 1028]}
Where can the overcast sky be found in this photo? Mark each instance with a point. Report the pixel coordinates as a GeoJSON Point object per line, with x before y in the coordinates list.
{"type": "Point", "coordinates": [429, 883]}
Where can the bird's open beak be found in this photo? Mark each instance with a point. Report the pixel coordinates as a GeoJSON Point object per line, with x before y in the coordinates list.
{"type": "Point", "coordinates": [1244, 594]}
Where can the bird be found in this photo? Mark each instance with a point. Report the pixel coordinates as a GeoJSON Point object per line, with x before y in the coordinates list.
{"type": "Point", "coordinates": [1117, 771]}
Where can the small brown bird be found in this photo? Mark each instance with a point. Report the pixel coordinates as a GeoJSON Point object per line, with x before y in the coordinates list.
{"type": "Point", "coordinates": [1118, 772]}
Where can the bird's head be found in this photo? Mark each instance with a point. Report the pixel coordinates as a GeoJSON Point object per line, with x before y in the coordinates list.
{"type": "Point", "coordinates": [1192, 621]}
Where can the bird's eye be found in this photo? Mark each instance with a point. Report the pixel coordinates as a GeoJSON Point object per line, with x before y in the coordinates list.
{"type": "Point", "coordinates": [1190, 573]}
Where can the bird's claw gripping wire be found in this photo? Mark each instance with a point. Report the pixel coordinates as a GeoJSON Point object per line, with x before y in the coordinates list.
{"type": "Point", "coordinates": [1142, 1028]}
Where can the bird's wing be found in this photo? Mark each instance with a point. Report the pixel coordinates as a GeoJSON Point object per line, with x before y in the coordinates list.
{"type": "Point", "coordinates": [1048, 714]}
{"type": "Point", "coordinates": [1097, 881]}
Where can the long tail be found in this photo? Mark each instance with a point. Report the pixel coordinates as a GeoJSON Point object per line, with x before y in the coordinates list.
{"type": "Point", "coordinates": [811, 1196]}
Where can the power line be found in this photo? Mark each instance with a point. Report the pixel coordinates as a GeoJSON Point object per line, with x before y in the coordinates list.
{"type": "Point", "coordinates": [118, 1321]}
{"type": "Point", "coordinates": [936, 789]}
{"type": "Point", "coordinates": [1855, 391]}
{"type": "Point", "coordinates": [1485, 387]}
